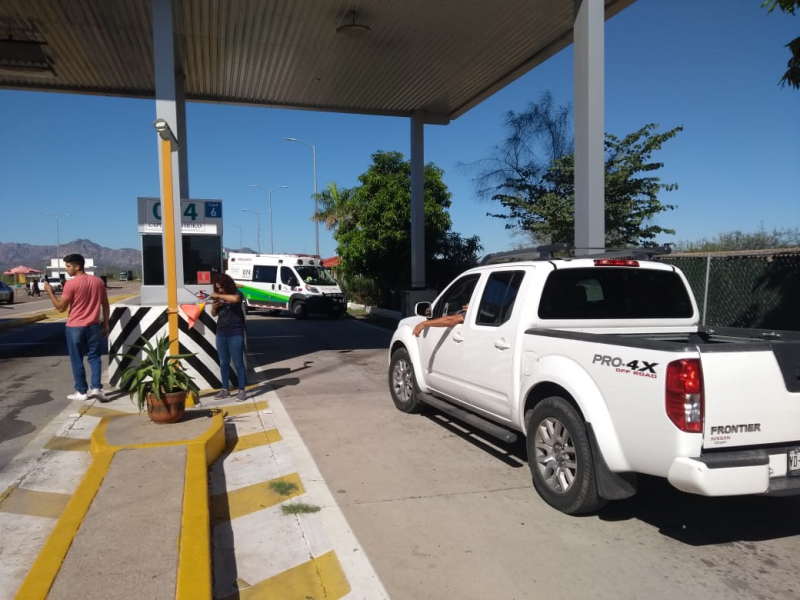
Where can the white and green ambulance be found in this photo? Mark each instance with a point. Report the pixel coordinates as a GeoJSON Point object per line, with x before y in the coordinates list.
{"type": "Point", "coordinates": [294, 282]}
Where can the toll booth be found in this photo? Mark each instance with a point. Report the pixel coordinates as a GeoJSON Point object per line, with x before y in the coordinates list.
{"type": "Point", "coordinates": [201, 239]}
{"type": "Point", "coordinates": [201, 243]}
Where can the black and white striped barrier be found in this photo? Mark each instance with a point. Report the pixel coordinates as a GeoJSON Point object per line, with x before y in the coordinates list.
{"type": "Point", "coordinates": [129, 323]}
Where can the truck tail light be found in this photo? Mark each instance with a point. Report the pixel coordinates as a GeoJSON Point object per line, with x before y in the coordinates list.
{"type": "Point", "coordinates": [684, 394]}
{"type": "Point", "coordinates": [616, 262]}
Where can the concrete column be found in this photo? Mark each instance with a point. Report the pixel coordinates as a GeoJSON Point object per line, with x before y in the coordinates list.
{"type": "Point", "coordinates": [589, 126]}
{"type": "Point", "coordinates": [417, 202]}
{"type": "Point", "coordinates": [180, 132]}
{"type": "Point", "coordinates": [167, 96]}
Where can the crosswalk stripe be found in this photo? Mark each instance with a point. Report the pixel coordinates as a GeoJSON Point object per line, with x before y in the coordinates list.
{"type": "Point", "coordinates": [320, 577]}
{"type": "Point", "coordinates": [252, 440]}
{"type": "Point", "coordinates": [58, 442]}
{"type": "Point", "coordinates": [22, 501]}
{"type": "Point", "coordinates": [249, 499]}
{"type": "Point", "coordinates": [245, 407]}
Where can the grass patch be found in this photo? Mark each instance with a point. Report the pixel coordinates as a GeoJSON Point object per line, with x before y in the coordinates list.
{"type": "Point", "coordinates": [356, 312]}
{"type": "Point", "coordinates": [297, 508]}
{"type": "Point", "coordinates": [284, 488]}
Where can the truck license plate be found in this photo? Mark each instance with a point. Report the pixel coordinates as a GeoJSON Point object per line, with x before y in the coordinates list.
{"type": "Point", "coordinates": [793, 462]}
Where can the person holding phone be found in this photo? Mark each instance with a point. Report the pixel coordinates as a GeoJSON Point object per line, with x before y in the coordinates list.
{"type": "Point", "coordinates": [85, 297]}
{"type": "Point", "coordinates": [226, 306]}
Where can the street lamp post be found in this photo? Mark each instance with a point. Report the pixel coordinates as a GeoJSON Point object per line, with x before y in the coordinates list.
{"type": "Point", "coordinates": [258, 222]}
{"type": "Point", "coordinates": [58, 241]}
{"type": "Point", "coordinates": [316, 223]}
{"type": "Point", "coordinates": [269, 194]}
{"type": "Point", "coordinates": [239, 227]}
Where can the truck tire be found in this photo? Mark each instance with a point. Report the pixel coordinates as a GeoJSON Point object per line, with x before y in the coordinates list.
{"type": "Point", "coordinates": [299, 310]}
{"type": "Point", "coordinates": [402, 383]}
{"type": "Point", "coordinates": [560, 457]}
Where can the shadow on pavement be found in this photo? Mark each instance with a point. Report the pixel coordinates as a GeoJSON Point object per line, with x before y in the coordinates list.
{"type": "Point", "coordinates": [700, 521]}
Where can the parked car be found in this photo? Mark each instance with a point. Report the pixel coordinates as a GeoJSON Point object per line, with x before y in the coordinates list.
{"type": "Point", "coordinates": [6, 293]}
{"type": "Point", "coordinates": [54, 282]}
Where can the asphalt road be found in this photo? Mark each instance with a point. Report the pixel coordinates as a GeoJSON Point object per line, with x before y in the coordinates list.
{"type": "Point", "coordinates": [443, 512]}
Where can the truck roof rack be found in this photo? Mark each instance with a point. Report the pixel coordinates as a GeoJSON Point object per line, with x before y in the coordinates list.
{"type": "Point", "coordinates": [546, 252]}
{"type": "Point", "coordinates": [636, 253]}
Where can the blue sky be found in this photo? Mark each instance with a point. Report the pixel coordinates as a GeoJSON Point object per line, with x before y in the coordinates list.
{"type": "Point", "coordinates": [710, 66]}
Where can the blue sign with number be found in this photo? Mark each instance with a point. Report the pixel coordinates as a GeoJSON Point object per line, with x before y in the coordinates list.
{"type": "Point", "coordinates": [213, 210]}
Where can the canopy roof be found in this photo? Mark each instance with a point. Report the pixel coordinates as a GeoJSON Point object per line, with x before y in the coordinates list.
{"type": "Point", "coordinates": [21, 270]}
{"type": "Point", "coordinates": [441, 57]}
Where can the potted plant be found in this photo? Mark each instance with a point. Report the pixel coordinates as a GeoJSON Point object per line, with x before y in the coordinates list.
{"type": "Point", "coordinates": [158, 380]}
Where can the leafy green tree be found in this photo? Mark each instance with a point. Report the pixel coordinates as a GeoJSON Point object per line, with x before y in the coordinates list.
{"type": "Point", "coordinates": [738, 240]}
{"type": "Point", "coordinates": [792, 75]}
{"type": "Point", "coordinates": [532, 176]}
{"type": "Point", "coordinates": [334, 206]}
{"type": "Point", "coordinates": [372, 228]}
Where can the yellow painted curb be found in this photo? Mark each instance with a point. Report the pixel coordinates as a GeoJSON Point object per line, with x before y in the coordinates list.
{"type": "Point", "coordinates": [194, 558]}
{"type": "Point", "coordinates": [23, 321]}
{"type": "Point", "coordinates": [43, 573]}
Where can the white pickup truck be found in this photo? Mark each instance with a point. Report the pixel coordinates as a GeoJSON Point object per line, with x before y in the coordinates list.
{"type": "Point", "coordinates": [602, 365]}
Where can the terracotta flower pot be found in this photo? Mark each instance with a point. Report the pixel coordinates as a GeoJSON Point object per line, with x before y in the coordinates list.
{"type": "Point", "coordinates": [170, 409]}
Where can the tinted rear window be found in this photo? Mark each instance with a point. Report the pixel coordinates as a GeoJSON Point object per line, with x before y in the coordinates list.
{"type": "Point", "coordinates": [614, 293]}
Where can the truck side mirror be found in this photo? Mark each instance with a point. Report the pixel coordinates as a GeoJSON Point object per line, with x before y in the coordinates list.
{"type": "Point", "coordinates": [422, 309]}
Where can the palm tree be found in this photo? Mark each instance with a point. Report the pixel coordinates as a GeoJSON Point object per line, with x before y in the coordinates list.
{"type": "Point", "coordinates": [334, 206]}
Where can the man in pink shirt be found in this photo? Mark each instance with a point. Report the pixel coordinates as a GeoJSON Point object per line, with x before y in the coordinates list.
{"type": "Point", "coordinates": [84, 295]}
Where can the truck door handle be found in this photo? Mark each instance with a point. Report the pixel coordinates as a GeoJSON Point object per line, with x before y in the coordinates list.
{"type": "Point", "coordinates": [501, 344]}
{"type": "Point", "coordinates": [458, 337]}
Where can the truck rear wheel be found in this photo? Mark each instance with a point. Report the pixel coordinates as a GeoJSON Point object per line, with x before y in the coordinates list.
{"type": "Point", "coordinates": [560, 457]}
{"type": "Point", "coordinates": [402, 383]}
{"type": "Point", "coordinates": [299, 310]}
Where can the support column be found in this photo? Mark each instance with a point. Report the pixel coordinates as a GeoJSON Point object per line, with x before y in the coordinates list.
{"type": "Point", "coordinates": [167, 99]}
{"type": "Point", "coordinates": [417, 202]}
{"type": "Point", "coordinates": [589, 126]}
{"type": "Point", "coordinates": [183, 150]}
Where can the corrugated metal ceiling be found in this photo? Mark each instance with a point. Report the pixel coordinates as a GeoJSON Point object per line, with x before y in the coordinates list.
{"type": "Point", "coordinates": [438, 56]}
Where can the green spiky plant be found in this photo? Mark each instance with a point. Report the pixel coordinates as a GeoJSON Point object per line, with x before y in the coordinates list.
{"type": "Point", "coordinates": [157, 371]}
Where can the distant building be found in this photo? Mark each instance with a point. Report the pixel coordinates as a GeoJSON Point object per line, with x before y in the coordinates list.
{"type": "Point", "coordinates": [56, 265]}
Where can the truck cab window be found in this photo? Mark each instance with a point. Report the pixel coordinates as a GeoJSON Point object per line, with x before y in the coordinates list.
{"type": "Point", "coordinates": [498, 298]}
{"type": "Point", "coordinates": [288, 277]}
{"type": "Point", "coordinates": [459, 294]}
{"type": "Point", "coordinates": [614, 293]}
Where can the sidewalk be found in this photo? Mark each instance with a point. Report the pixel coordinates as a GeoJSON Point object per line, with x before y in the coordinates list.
{"type": "Point", "coordinates": [116, 507]}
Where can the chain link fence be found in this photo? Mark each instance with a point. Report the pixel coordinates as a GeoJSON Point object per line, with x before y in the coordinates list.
{"type": "Point", "coordinates": [759, 289]}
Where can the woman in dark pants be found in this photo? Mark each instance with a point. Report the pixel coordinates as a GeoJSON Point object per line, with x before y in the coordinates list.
{"type": "Point", "coordinates": [227, 307]}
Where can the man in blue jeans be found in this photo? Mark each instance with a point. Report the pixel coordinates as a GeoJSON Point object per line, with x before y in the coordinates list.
{"type": "Point", "coordinates": [84, 295]}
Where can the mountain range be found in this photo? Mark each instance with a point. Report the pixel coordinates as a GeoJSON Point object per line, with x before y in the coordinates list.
{"type": "Point", "coordinates": [106, 260]}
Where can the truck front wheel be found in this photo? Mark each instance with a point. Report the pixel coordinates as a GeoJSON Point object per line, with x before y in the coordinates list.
{"type": "Point", "coordinates": [299, 310]}
{"type": "Point", "coordinates": [402, 383]}
{"type": "Point", "coordinates": [560, 457]}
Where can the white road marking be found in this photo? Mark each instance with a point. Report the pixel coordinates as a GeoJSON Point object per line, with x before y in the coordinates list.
{"type": "Point", "coordinates": [360, 574]}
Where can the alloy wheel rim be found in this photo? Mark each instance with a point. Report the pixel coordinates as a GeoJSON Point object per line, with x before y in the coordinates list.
{"type": "Point", "coordinates": [402, 381]}
{"type": "Point", "coordinates": [556, 458]}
